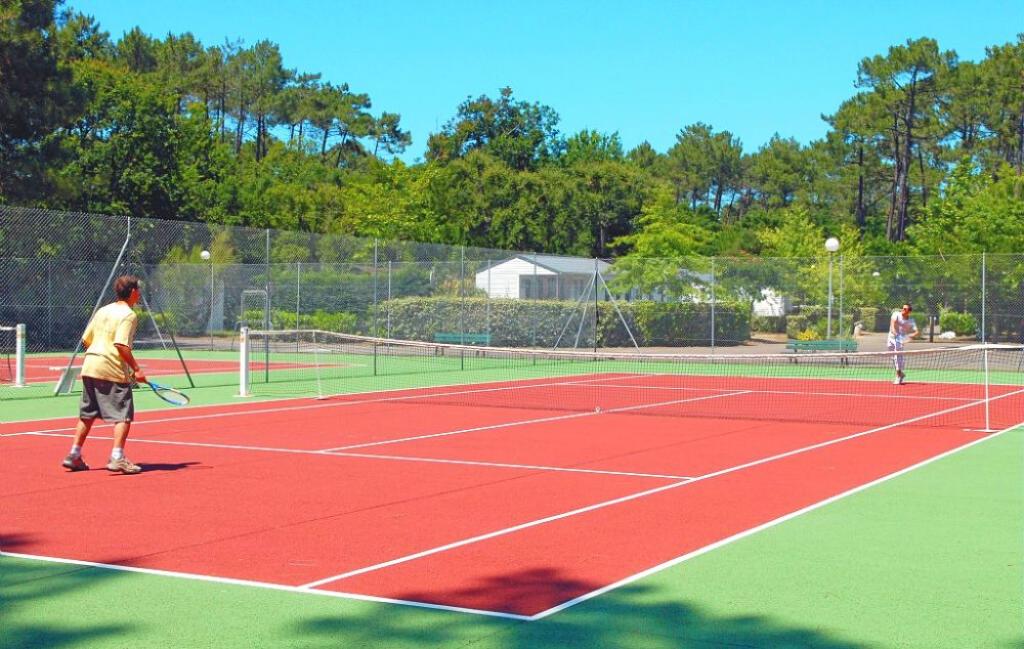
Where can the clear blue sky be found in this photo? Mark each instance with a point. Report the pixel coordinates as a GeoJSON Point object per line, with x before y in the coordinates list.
{"type": "Point", "coordinates": [643, 68]}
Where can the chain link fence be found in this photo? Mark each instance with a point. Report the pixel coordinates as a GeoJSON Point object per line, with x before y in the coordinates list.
{"type": "Point", "coordinates": [55, 267]}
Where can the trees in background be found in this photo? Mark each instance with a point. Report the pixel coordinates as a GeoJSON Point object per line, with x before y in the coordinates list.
{"type": "Point", "coordinates": [173, 128]}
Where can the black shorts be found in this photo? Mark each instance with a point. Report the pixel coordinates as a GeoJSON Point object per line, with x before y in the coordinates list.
{"type": "Point", "coordinates": [105, 399]}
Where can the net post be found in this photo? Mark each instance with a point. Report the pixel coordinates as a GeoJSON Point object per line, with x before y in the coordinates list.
{"type": "Point", "coordinates": [19, 356]}
{"type": "Point", "coordinates": [243, 362]}
{"type": "Point", "coordinates": [988, 420]}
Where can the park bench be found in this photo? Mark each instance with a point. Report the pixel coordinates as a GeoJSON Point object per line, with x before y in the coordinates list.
{"type": "Point", "coordinates": [840, 345]}
{"type": "Point", "coordinates": [454, 338]}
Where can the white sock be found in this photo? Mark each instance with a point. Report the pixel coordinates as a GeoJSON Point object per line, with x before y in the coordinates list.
{"type": "Point", "coordinates": [116, 454]}
{"type": "Point", "coordinates": [76, 451]}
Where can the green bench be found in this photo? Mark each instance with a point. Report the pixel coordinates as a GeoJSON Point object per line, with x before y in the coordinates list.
{"type": "Point", "coordinates": [462, 339]}
{"type": "Point", "coordinates": [836, 345]}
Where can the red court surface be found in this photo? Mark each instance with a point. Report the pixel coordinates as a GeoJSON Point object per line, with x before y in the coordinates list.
{"type": "Point", "coordinates": [501, 510]}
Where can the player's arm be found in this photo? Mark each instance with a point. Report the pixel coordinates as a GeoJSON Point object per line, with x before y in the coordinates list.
{"type": "Point", "coordinates": [893, 326]}
{"type": "Point", "coordinates": [87, 336]}
{"type": "Point", "coordinates": [126, 355]}
{"type": "Point", "coordinates": [123, 342]}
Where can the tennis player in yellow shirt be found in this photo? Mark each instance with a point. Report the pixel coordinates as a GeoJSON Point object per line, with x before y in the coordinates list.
{"type": "Point", "coordinates": [107, 372]}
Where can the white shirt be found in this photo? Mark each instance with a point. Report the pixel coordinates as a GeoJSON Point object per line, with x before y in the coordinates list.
{"type": "Point", "coordinates": [900, 328]}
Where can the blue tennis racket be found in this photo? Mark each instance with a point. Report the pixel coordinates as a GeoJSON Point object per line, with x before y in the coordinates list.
{"type": "Point", "coordinates": [170, 395]}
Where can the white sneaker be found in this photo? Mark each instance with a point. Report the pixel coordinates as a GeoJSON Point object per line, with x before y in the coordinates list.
{"type": "Point", "coordinates": [897, 381]}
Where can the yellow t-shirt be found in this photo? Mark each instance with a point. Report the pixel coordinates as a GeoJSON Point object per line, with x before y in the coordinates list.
{"type": "Point", "coordinates": [112, 325]}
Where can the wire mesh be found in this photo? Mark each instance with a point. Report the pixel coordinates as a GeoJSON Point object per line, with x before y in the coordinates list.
{"type": "Point", "coordinates": [54, 268]}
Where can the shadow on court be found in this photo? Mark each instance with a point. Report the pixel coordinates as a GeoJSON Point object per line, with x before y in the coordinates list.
{"type": "Point", "coordinates": [149, 467]}
{"type": "Point", "coordinates": [25, 586]}
{"type": "Point", "coordinates": [635, 615]}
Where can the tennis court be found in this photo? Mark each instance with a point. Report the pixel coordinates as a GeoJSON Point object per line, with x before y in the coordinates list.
{"type": "Point", "coordinates": [514, 485]}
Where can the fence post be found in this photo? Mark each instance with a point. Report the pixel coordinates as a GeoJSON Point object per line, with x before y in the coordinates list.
{"type": "Point", "coordinates": [713, 305]}
{"type": "Point", "coordinates": [462, 294]}
{"type": "Point", "coordinates": [376, 324]}
{"type": "Point", "coordinates": [840, 325]}
{"type": "Point", "coordinates": [984, 299]}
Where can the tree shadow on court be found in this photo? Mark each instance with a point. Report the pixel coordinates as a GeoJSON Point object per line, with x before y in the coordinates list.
{"type": "Point", "coordinates": [24, 587]}
{"type": "Point", "coordinates": [635, 615]}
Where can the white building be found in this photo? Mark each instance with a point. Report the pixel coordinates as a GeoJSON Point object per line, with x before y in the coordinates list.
{"type": "Point", "coordinates": [541, 277]}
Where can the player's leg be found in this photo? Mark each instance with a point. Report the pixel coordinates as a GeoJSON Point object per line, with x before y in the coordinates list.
{"type": "Point", "coordinates": [88, 410]}
{"type": "Point", "coordinates": [122, 406]}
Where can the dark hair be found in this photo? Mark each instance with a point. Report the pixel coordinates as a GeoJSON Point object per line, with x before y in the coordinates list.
{"type": "Point", "coordinates": [124, 284]}
{"type": "Point", "coordinates": [907, 304]}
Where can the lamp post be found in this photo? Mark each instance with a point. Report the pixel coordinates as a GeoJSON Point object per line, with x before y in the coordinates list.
{"type": "Point", "coordinates": [832, 245]}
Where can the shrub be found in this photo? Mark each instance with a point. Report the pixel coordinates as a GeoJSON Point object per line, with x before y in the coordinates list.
{"type": "Point", "coordinates": [539, 323]}
{"type": "Point", "coordinates": [963, 324]}
{"type": "Point", "coordinates": [775, 324]}
{"type": "Point", "coordinates": [869, 316]}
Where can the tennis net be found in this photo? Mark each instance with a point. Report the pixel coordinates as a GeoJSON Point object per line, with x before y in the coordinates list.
{"type": "Point", "coordinates": [976, 386]}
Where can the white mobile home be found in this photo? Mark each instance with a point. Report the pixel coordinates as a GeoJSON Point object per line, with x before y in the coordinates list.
{"type": "Point", "coordinates": [541, 277]}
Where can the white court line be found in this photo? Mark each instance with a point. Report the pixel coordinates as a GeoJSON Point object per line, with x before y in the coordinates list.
{"type": "Point", "coordinates": [243, 411]}
{"type": "Point", "coordinates": [759, 528]}
{"type": "Point", "coordinates": [574, 415]}
{"type": "Point", "coordinates": [377, 456]}
{"type": "Point", "coordinates": [262, 584]}
{"type": "Point", "coordinates": [616, 501]}
{"type": "Point", "coordinates": [801, 393]}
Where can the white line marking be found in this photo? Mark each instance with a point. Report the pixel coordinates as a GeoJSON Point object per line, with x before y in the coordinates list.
{"type": "Point", "coordinates": [575, 415]}
{"type": "Point", "coordinates": [801, 393]}
{"type": "Point", "coordinates": [241, 410]}
{"type": "Point", "coordinates": [373, 456]}
{"type": "Point", "coordinates": [616, 501]}
{"type": "Point", "coordinates": [759, 528]}
{"type": "Point", "coordinates": [489, 535]}
{"type": "Point", "coordinates": [263, 584]}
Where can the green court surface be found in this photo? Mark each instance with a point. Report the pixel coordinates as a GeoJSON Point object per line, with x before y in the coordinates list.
{"type": "Point", "coordinates": [932, 558]}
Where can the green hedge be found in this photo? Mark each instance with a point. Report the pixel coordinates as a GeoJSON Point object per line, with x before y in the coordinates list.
{"type": "Point", "coordinates": [339, 321]}
{"type": "Point", "coordinates": [775, 324]}
{"type": "Point", "coordinates": [538, 323]}
{"type": "Point", "coordinates": [964, 324]}
{"type": "Point", "coordinates": [812, 324]}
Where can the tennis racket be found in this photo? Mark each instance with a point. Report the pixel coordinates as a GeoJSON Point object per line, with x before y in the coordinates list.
{"type": "Point", "coordinates": [170, 395]}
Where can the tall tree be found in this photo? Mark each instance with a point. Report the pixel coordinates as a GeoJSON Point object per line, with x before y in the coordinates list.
{"type": "Point", "coordinates": [34, 90]}
{"type": "Point", "coordinates": [905, 81]}
{"type": "Point", "coordinates": [521, 134]}
{"type": "Point", "coordinates": [1005, 118]}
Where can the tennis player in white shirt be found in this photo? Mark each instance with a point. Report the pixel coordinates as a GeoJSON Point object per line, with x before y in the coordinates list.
{"type": "Point", "coordinates": [901, 329]}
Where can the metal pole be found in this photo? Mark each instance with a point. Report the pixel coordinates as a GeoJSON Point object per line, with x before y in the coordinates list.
{"type": "Point", "coordinates": [840, 326]}
{"type": "Point", "coordinates": [266, 318]}
{"type": "Point", "coordinates": [376, 330]}
{"type": "Point", "coordinates": [49, 302]}
{"type": "Point", "coordinates": [243, 362]}
{"type": "Point", "coordinates": [298, 294]}
{"type": "Point", "coordinates": [829, 334]}
{"type": "Point", "coordinates": [389, 301]}
{"type": "Point", "coordinates": [713, 304]}
{"type": "Point", "coordinates": [984, 301]}
{"type": "Point", "coordinates": [596, 319]}
{"type": "Point", "coordinates": [462, 294]}
{"type": "Point", "coordinates": [489, 297]}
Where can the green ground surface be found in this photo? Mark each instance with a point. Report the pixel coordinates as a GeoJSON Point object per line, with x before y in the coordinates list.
{"type": "Point", "coordinates": [933, 558]}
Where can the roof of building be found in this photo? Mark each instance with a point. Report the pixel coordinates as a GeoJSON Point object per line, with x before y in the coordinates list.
{"type": "Point", "coordinates": [557, 264]}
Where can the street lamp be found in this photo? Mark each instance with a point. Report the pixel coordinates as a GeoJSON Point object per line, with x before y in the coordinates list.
{"type": "Point", "coordinates": [832, 245]}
